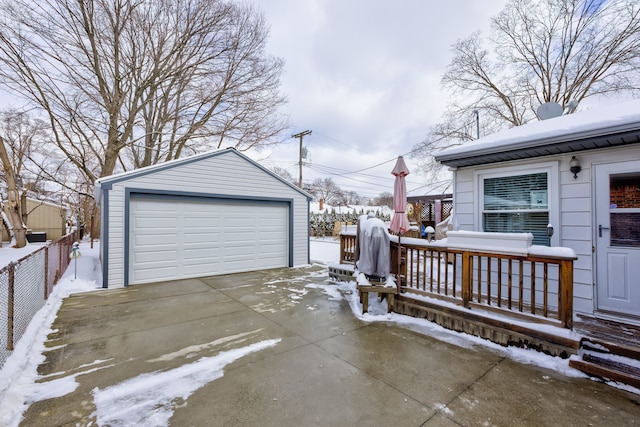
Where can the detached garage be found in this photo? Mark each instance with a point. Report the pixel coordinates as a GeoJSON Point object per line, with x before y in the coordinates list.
{"type": "Point", "coordinates": [211, 214]}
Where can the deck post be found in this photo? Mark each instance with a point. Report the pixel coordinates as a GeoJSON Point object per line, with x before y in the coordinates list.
{"type": "Point", "coordinates": [467, 282]}
{"type": "Point", "coordinates": [565, 294]}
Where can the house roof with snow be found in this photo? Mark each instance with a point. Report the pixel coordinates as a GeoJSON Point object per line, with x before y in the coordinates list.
{"type": "Point", "coordinates": [609, 126]}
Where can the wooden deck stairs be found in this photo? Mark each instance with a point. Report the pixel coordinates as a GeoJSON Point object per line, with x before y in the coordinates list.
{"type": "Point", "coordinates": [609, 350]}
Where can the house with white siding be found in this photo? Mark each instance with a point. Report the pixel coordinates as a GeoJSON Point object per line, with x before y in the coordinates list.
{"type": "Point", "coordinates": [209, 214]}
{"type": "Point", "coordinates": [572, 181]}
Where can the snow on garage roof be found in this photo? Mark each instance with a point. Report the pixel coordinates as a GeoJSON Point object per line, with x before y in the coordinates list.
{"type": "Point", "coordinates": [601, 127]}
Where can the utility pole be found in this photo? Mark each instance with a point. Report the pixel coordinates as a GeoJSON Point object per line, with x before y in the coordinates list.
{"type": "Point", "coordinates": [300, 135]}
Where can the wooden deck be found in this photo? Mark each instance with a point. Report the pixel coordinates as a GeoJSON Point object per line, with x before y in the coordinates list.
{"type": "Point", "coordinates": [515, 285]}
{"type": "Point", "coordinates": [531, 306]}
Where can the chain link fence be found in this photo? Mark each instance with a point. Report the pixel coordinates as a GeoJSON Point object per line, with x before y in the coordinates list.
{"type": "Point", "coordinates": [25, 286]}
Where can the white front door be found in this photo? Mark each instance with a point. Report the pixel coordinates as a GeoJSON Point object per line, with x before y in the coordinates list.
{"type": "Point", "coordinates": [617, 234]}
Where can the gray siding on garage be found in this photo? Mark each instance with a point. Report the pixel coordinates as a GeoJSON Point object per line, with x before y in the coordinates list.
{"type": "Point", "coordinates": [222, 173]}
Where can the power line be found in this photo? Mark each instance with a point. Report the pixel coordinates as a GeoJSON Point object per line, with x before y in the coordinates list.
{"type": "Point", "coordinates": [343, 173]}
{"type": "Point", "coordinates": [435, 184]}
{"type": "Point", "coordinates": [351, 178]}
{"type": "Point", "coordinates": [327, 170]}
{"type": "Point", "coordinates": [336, 172]}
{"type": "Point", "coordinates": [343, 143]}
{"type": "Point", "coordinates": [330, 168]}
{"type": "Point", "coordinates": [411, 151]}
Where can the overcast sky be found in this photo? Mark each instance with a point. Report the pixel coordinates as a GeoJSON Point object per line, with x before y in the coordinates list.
{"type": "Point", "coordinates": [364, 77]}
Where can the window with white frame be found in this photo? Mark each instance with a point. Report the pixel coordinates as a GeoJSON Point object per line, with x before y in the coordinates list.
{"type": "Point", "coordinates": [517, 204]}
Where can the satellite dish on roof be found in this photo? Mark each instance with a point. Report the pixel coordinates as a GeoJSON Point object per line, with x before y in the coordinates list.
{"type": "Point", "coordinates": [549, 110]}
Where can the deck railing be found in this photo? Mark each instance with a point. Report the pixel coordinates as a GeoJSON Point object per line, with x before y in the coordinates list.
{"type": "Point", "coordinates": [537, 285]}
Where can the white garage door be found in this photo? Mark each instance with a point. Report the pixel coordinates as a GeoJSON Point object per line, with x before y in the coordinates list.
{"type": "Point", "coordinates": [179, 238]}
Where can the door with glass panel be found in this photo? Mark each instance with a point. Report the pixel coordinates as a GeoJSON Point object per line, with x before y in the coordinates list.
{"type": "Point", "coordinates": [617, 235]}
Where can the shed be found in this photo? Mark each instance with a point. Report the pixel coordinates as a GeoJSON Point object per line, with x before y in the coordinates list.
{"type": "Point", "coordinates": [210, 214]}
{"type": "Point", "coordinates": [577, 176]}
{"type": "Point", "coordinates": [46, 219]}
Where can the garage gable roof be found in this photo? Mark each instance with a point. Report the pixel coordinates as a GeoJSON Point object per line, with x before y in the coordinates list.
{"type": "Point", "coordinates": [108, 181]}
{"type": "Point", "coordinates": [597, 128]}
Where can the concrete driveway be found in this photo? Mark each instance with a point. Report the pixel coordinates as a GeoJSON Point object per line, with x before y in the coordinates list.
{"type": "Point", "coordinates": [266, 349]}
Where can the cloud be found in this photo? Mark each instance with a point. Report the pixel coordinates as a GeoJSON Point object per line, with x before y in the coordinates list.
{"type": "Point", "coordinates": [364, 75]}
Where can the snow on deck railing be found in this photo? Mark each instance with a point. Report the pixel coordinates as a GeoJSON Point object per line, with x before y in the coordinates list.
{"type": "Point", "coordinates": [538, 282]}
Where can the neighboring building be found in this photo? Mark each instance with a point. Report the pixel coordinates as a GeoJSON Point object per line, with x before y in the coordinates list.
{"type": "Point", "coordinates": [576, 175]}
{"type": "Point", "coordinates": [214, 213]}
{"type": "Point", "coordinates": [429, 210]}
{"type": "Point", "coordinates": [45, 220]}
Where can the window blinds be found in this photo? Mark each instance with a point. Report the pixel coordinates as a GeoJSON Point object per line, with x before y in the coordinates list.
{"type": "Point", "coordinates": [517, 204]}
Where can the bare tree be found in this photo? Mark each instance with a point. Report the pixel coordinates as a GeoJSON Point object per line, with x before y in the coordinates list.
{"type": "Point", "coordinates": [540, 51]}
{"type": "Point", "coordinates": [126, 83]}
{"type": "Point", "coordinates": [283, 173]}
{"type": "Point", "coordinates": [352, 198]}
{"type": "Point", "coordinates": [328, 190]}
{"type": "Point", "coordinates": [19, 136]}
{"type": "Point", "coordinates": [18, 228]}
{"type": "Point", "coordinates": [384, 199]}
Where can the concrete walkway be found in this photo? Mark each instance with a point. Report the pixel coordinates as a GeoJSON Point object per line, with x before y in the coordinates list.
{"type": "Point", "coordinates": [327, 369]}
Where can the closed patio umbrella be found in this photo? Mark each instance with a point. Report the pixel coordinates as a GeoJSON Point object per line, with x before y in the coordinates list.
{"type": "Point", "coordinates": [399, 222]}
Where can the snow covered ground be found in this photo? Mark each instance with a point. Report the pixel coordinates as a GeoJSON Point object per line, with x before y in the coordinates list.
{"type": "Point", "coordinates": [18, 378]}
{"type": "Point", "coordinates": [9, 254]}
